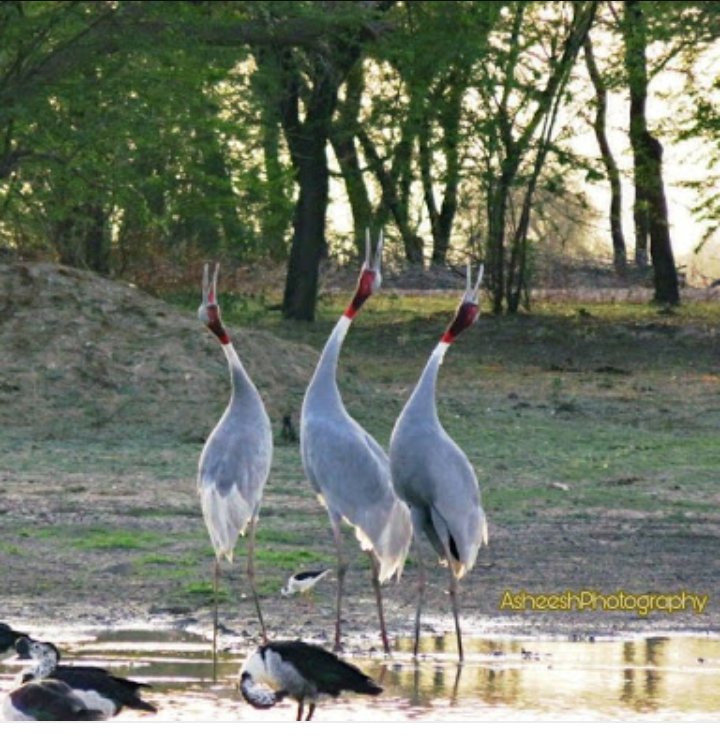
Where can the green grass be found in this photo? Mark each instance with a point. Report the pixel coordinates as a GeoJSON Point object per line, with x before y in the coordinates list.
{"type": "Point", "coordinates": [288, 559]}
{"type": "Point", "coordinates": [202, 592]}
{"type": "Point", "coordinates": [98, 539]}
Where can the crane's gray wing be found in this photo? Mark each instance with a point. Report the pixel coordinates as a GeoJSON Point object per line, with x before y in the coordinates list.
{"type": "Point", "coordinates": [342, 463]}
{"type": "Point", "coordinates": [435, 477]}
{"type": "Point", "coordinates": [351, 473]}
{"type": "Point", "coordinates": [232, 472]}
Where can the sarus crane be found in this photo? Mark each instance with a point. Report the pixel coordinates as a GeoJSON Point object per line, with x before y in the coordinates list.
{"type": "Point", "coordinates": [349, 470]}
{"type": "Point", "coordinates": [235, 462]}
{"type": "Point", "coordinates": [433, 475]}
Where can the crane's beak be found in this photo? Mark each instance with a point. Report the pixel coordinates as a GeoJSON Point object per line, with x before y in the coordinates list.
{"type": "Point", "coordinates": [370, 278]}
{"type": "Point", "coordinates": [209, 293]}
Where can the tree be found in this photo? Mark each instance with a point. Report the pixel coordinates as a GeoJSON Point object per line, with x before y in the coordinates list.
{"type": "Point", "coordinates": [611, 168]}
{"type": "Point", "coordinates": [520, 87]}
{"type": "Point", "coordinates": [650, 207]}
{"type": "Point", "coordinates": [309, 79]}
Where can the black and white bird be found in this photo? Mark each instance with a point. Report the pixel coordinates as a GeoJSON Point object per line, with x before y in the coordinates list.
{"type": "Point", "coordinates": [306, 673]}
{"type": "Point", "coordinates": [306, 580]}
{"type": "Point", "coordinates": [46, 700]}
{"type": "Point", "coordinates": [8, 637]}
{"type": "Point", "coordinates": [95, 687]}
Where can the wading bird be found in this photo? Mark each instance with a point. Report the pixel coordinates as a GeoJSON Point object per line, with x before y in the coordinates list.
{"type": "Point", "coordinates": [300, 583]}
{"type": "Point", "coordinates": [235, 462]}
{"type": "Point", "coordinates": [433, 475]}
{"type": "Point", "coordinates": [48, 700]}
{"type": "Point", "coordinates": [302, 671]}
{"type": "Point", "coordinates": [96, 688]}
{"type": "Point", "coordinates": [348, 468]}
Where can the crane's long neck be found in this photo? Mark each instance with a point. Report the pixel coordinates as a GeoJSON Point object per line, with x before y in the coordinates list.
{"type": "Point", "coordinates": [323, 386]}
{"type": "Point", "coordinates": [422, 401]}
{"type": "Point", "coordinates": [243, 389]}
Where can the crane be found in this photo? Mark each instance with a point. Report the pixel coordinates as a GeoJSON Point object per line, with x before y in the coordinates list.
{"type": "Point", "coordinates": [433, 475]}
{"type": "Point", "coordinates": [302, 671]}
{"type": "Point", "coordinates": [235, 461]}
{"type": "Point", "coordinates": [98, 689]}
{"type": "Point", "coordinates": [347, 467]}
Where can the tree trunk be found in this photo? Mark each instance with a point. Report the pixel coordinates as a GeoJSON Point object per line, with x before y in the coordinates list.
{"type": "Point", "coordinates": [307, 141]}
{"type": "Point", "coordinates": [277, 208]}
{"type": "Point", "coordinates": [308, 244]}
{"type": "Point", "coordinates": [393, 194]}
{"type": "Point", "coordinates": [274, 215]}
{"type": "Point", "coordinates": [497, 209]}
{"type": "Point", "coordinates": [342, 138]}
{"type": "Point", "coordinates": [611, 168]}
{"type": "Point", "coordinates": [650, 211]}
{"type": "Point", "coordinates": [448, 102]}
{"type": "Point", "coordinates": [664, 273]}
{"type": "Point", "coordinates": [97, 245]}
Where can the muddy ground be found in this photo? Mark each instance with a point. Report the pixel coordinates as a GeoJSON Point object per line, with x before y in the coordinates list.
{"type": "Point", "coordinates": [595, 433]}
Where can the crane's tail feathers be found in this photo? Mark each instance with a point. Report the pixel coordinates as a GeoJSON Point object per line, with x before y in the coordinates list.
{"type": "Point", "coordinates": [226, 517]}
{"type": "Point", "coordinates": [389, 537]}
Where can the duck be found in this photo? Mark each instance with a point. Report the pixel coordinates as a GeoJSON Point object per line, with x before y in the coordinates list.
{"type": "Point", "coordinates": [97, 688]}
{"type": "Point", "coordinates": [302, 671]}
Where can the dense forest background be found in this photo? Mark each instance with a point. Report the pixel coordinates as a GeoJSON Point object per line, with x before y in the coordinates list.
{"type": "Point", "coordinates": [140, 135]}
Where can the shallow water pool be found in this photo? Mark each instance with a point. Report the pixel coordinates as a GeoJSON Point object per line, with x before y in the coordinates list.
{"type": "Point", "coordinates": [660, 677]}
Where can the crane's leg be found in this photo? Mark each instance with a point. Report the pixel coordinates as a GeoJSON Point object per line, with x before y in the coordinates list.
{"type": "Point", "coordinates": [456, 685]}
{"type": "Point", "coordinates": [301, 707]}
{"type": "Point", "coordinates": [342, 569]}
{"type": "Point", "coordinates": [421, 595]}
{"type": "Point", "coordinates": [216, 577]}
{"type": "Point", "coordinates": [310, 713]}
{"type": "Point", "coordinates": [456, 611]}
{"type": "Point", "coordinates": [251, 575]}
{"type": "Point", "coordinates": [378, 599]}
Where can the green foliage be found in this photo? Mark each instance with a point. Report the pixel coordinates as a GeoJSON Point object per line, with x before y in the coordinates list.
{"type": "Point", "coordinates": [134, 136]}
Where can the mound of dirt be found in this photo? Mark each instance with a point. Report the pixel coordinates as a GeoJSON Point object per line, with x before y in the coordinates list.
{"type": "Point", "coordinates": [83, 355]}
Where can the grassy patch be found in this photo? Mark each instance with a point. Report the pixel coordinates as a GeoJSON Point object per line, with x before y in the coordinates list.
{"type": "Point", "coordinates": [98, 539]}
{"type": "Point", "coordinates": [288, 559]}
{"type": "Point", "coordinates": [202, 592]}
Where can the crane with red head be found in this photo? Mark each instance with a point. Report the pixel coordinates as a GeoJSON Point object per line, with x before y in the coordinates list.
{"type": "Point", "coordinates": [347, 468]}
{"type": "Point", "coordinates": [434, 476]}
